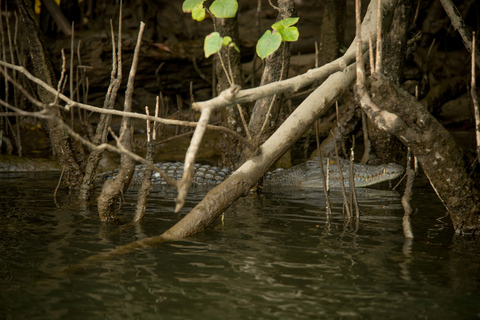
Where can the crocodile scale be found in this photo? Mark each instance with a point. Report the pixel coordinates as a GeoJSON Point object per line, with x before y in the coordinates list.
{"type": "Point", "coordinates": [305, 175]}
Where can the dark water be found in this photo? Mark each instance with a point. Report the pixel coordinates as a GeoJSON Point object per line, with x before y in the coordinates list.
{"type": "Point", "coordinates": [274, 257]}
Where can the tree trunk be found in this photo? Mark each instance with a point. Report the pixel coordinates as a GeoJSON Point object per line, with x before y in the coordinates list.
{"type": "Point", "coordinates": [333, 30]}
{"type": "Point", "coordinates": [70, 153]}
{"type": "Point", "coordinates": [385, 147]}
{"type": "Point", "coordinates": [436, 151]}
{"type": "Point", "coordinates": [264, 118]}
{"type": "Point", "coordinates": [231, 148]}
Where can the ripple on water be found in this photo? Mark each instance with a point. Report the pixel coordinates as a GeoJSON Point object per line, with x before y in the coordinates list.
{"type": "Point", "coordinates": [274, 256]}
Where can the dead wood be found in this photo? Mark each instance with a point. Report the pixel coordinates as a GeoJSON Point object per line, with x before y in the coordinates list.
{"type": "Point", "coordinates": [436, 151]}
{"type": "Point", "coordinates": [114, 189]}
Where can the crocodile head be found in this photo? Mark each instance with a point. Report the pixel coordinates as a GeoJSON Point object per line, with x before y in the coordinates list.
{"type": "Point", "coordinates": [364, 175]}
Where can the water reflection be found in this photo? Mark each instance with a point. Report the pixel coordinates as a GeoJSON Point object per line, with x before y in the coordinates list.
{"type": "Point", "coordinates": [273, 257]}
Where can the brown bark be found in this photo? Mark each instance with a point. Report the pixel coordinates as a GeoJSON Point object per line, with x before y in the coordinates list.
{"type": "Point", "coordinates": [70, 153]}
{"type": "Point", "coordinates": [231, 148]}
{"type": "Point", "coordinates": [276, 66]}
{"type": "Point", "coordinates": [436, 151]}
{"type": "Point", "coordinates": [343, 127]}
{"type": "Point", "coordinates": [113, 190]}
{"type": "Point", "coordinates": [333, 30]}
{"type": "Point", "coordinates": [384, 147]}
{"type": "Point", "coordinates": [101, 132]}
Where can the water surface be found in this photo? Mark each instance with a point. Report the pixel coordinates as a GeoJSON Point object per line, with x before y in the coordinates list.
{"type": "Point", "coordinates": [273, 257]}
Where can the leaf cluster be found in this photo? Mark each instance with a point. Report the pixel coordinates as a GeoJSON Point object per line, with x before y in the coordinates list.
{"type": "Point", "coordinates": [283, 30]}
{"type": "Point", "coordinates": [219, 8]}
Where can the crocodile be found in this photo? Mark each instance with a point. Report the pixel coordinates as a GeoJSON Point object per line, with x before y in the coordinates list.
{"type": "Point", "coordinates": [306, 175]}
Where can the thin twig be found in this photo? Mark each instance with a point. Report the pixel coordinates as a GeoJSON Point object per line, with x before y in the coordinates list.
{"type": "Point", "coordinates": [268, 115]}
{"type": "Point", "coordinates": [476, 107]}
{"type": "Point", "coordinates": [370, 53]}
{"type": "Point", "coordinates": [200, 73]}
{"type": "Point", "coordinates": [353, 191]}
{"type": "Point", "coordinates": [244, 122]}
{"type": "Point", "coordinates": [230, 81]}
{"type": "Point", "coordinates": [273, 6]}
{"type": "Point", "coordinates": [366, 140]}
{"type": "Point", "coordinates": [342, 183]}
{"type": "Point", "coordinates": [378, 58]}
{"type": "Point", "coordinates": [324, 176]}
{"type": "Point", "coordinates": [72, 39]}
{"type": "Point", "coordinates": [460, 26]}
{"type": "Point", "coordinates": [187, 178]}
{"type": "Point", "coordinates": [406, 222]}
{"type": "Point", "coordinates": [72, 103]}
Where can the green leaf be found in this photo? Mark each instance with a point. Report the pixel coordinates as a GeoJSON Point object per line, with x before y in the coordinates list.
{"type": "Point", "coordinates": [189, 5]}
{"type": "Point", "coordinates": [224, 8]}
{"type": "Point", "coordinates": [198, 13]}
{"type": "Point", "coordinates": [286, 29]}
{"type": "Point", "coordinates": [234, 46]}
{"type": "Point", "coordinates": [290, 34]}
{"type": "Point", "coordinates": [285, 23]}
{"type": "Point", "coordinates": [226, 41]}
{"type": "Point", "coordinates": [213, 44]}
{"type": "Point", "coordinates": [268, 43]}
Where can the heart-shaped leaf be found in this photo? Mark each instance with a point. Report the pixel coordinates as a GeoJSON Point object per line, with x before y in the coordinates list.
{"type": "Point", "coordinates": [189, 5]}
{"type": "Point", "coordinates": [290, 34]}
{"type": "Point", "coordinates": [224, 8]}
{"type": "Point", "coordinates": [213, 44]}
{"type": "Point", "coordinates": [226, 41]}
{"type": "Point", "coordinates": [286, 29]}
{"type": "Point", "coordinates": [268, 43]}
{"type": "Point", "coordinates": [198, 13]}
{"type": "Point", "coordinates": [285, 23]}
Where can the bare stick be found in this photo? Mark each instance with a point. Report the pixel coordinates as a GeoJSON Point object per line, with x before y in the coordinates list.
{"type": "Point", "coordinates": [370, 53]}
{"type": "Point", "coordinates": [342, 183]}
{"type": "Point", "coordinates": [268, 115]}
{"type": "Point", "coordinates": [57, 16]}
{"type": "Point", "coordinates": [116, 149]}
{"type": "Point", "coordinates": [147, 112]}
{"type": "Point", "coordinates": [199, 72]}
{"type": "Point", "coordinates": [324, 176]}
{"type": "Point", "coordinates": [383, 119]}
{"type": "Point", "coordinates": [146, 185]}
{"type": "Point", "coordinates": [378, 58]}
{"type": "Point", "coordinates": [13, 47]}
{"type": "Point", "coordinates": [114, 189]}
{"type": "Point", "coordinates": [366, 140]}
{"type": "Point", "coordinates": [123, 113]}
{"type": "Point", "coordinates": [353, 192]}
{"type": "Point", "coordinates": [157, 107]}
{"type": "Point", "coordinates": [187, 178]}
{"type": "Point", "coordinates": [476, 107]}
{"type": "Point", "coordinates": [406, 222]}
{"type": "Point", "coordinates": [273, 6]}
{"type": "Point", "coordinates": [230, 80]}
{"type": "Point", "coordinates": [72, 40]}
{"type": "Point", "coordinates": [459, 25]}
{"type": "Point", "coordinates": [244, 122]}
{"type": "Point", "coordinates": [19, 112]}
